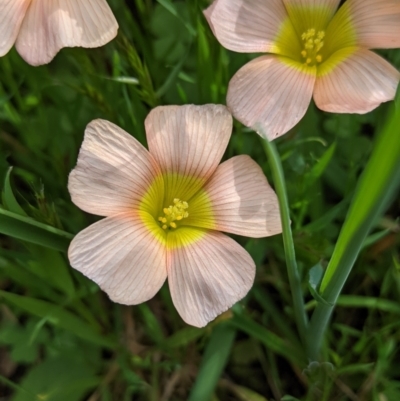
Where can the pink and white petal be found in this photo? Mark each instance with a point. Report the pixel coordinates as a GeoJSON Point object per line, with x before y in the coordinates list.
{"type": "Point", "coordinates": [247, 26]}
{"type": "Point", "coordinates": [188, 143]}
{"type": "Point", "coordinates": [271, 94]}
{"type": "Point", "coordinates": [376, 22]}
{"type": "Point", "coordinates": [307, 14]}
{"type": "Point", "coordinates": [50, 25]}
{"type": "Point", "coordinates": [122, 256]}
{"type": "Point", "coordinates": [207, 276]}
{"type": "Point", "coordinates": [113, 171]}
{"type": "Point", "coordinates": [358, 84]}
{"type": "Point", "coordinates": [12, 13]}
{"type": "Point", "coordinates": [242, 201]}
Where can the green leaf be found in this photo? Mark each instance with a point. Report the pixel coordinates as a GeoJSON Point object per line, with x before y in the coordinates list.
{"type": "Point", "coordinates": [183, 337]}
{"type": "Point", "coordinates": [271, 340]}
{"type": "Point", "coordinates": [357, 301]}
{"type": "Point", "coordinates": [397, 98]}
{"type": "Point", "coordinates": [314, 279]}
{"type": "Point", "coordinates": [214, 360]}
{"type": "Point", "coordinates": [28, 229]}
{"type": "Point", "coordinates": [59, 317]}
{"type": "Point", "coordinates": [57, 379]}
{"type": "Point", "coordinates": [168, 5]}
{"type": "Point", "coordinates": [52, 268]}
{"type": "Point", "coordinates": [374, 238]}
{"type": "Point", "coordinates": [9, 200]}
{"type": "Point", "coordinates": [319, 168]}
{"type": "Point", "coordinates": [376, 188]}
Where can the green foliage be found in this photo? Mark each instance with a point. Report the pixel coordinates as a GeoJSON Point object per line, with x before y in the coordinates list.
{"type": "Point", "coordinates": [60, 336]}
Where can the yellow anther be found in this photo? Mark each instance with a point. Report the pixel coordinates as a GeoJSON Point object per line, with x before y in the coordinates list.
{"type": "Point", "coordinates": [175, 212]}
{"type": "Point", "coordinates": [313, 43]}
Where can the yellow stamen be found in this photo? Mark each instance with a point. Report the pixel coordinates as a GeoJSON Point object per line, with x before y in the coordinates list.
{"type": "Point", "coordinates": [313, 43]}
{"type": "Point", "coordinates": [173, 213]}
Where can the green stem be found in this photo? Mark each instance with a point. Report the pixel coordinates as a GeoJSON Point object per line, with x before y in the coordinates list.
{"type": "Point", "coordinates": [291, 264]}
{"type": "Point", "coordinates": [375, 190]}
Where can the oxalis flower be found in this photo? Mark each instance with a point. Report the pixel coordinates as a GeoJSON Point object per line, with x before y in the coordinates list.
{"type": "Point", "coordinates": [315, 51]}
{"type": "Point", "coordinates": [40, 28]}
{"type": "Point", "coordinates": [165, 209]}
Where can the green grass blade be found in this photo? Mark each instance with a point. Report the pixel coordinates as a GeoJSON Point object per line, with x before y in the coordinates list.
{"type": "Point", "coordinates": [8, 196]}
{"type": "Point", "coordinates": [59, 317]}
{"type": "Point", "coordinates": [214, 360]}
{"type": "Point", "coordinates": [27, 229]}
{"type": "Point", "coordinates": [271, 340]}
{"type": "Point", "coordinates": [376, 188]}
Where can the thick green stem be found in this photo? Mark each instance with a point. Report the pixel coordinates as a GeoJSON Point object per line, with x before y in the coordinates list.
{"type": "Point", "coordinates": [291, 264]}
{"type": "Point", "coordinates": [375, 190]}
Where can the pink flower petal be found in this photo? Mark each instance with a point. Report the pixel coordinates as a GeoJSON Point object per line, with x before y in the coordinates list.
{"type": "Point", "coordinates": [188, 143]}
{"type": "Point", "coordinates": [208, 276]}
{"type": "Point", "coordinates": [358, 84]}
{"type": "Point", "coordinates": [50, 25]}
{"type": "Point", "coordinates": [113, 172]}
{"type": "Point", "coordinates": [376, 22]}
{"type": "Point", "coordinates": [12, 13]}
{"type": "Point", "coordinates": [247, 26]}
{"type": "Point", "coordinates": [271, 94]}
{"type": "Point", "coordinates": [122, 256]}
{"type": "Point", "coordinates": [242, 202]}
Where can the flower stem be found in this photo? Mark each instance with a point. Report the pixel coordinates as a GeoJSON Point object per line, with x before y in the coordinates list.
{"type": "Point", "coordinates": [291, 264]}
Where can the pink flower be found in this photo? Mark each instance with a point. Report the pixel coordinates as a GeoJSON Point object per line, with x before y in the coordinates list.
{"type": "Point", "coordinates": [315, 51]}
{"type": "Point", "coordinates": [165, 209]}
{"type": "Point", "coordinates": [40, 28]}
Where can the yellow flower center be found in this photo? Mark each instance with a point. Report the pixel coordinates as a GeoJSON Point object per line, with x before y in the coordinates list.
{"type": "Point", "coordinates": [174, 213]}
{"type": "Point", "coordinates": [313, 43]}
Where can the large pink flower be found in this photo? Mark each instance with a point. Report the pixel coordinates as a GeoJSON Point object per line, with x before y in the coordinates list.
{"type": "Point", "coordinates": [165, 209]}
{"type": "Point", "coordinates": [40, 28]}
{"type": "Point", "coordinates": [314, 51]}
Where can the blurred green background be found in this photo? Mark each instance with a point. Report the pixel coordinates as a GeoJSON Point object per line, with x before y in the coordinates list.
{"type": "Point", "coordinates": [61, 339]}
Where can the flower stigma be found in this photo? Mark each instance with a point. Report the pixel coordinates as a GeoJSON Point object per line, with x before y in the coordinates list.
{"type": "Point", "coordinates": [313, 43]}
{"type": "Point", "coordinates": [173, 213]}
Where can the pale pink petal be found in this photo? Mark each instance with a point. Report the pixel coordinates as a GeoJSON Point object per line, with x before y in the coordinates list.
{"type": "Point", "coordinates": [207, 276]}
{"type": "Point", "coordinates": [12, 13]}
{"type": "Point", "coordinates": [307, 14]}
{"type": "Point", "coordinates": [376, 22]}
{"type": "Point", "coordinates": [188, 143]}
{"type": "Point", "coordinates": [358, 84]}
{"type": "Point", "coordinates": [247, 26]}
{"type": "Point", "coordinates": [271, 94]}
{"type": "Point", "coordinates": [242, 201]}
{"type": "Point", "coordinates": [122, 256]}
{"type": "Point", "coordinates": [50, 25]}
{"type": "Point", "coordinates": [113, 172]}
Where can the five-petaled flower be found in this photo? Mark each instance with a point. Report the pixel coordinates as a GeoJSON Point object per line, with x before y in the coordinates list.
{"type": "Point", "coordinates": [165, 209]}
{"type": "Point", "coordinates": [314, 51]}
{"type": "Point", "coordinates": [40, 28]}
